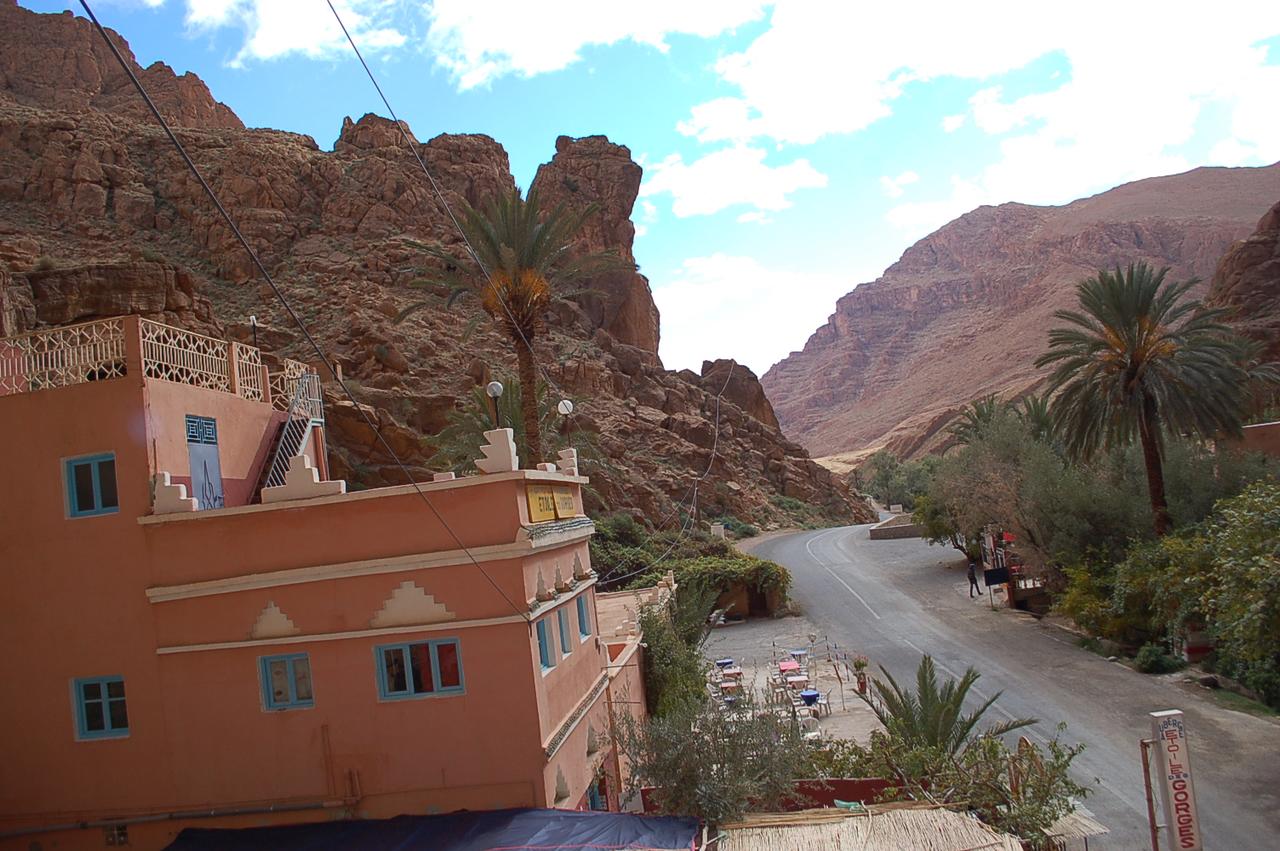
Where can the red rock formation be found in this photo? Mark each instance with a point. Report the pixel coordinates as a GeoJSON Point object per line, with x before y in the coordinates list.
{"type": "Point", "coordinates": [88, 185]}
{"type": "Point", "coordinates": [740, 386]}
{"type": "Point", "coordinates": [593, 170]}
{"type": "Point", "coordinates": [1248, 282]}
{"type": "Point", "coordinates": [968, 308]}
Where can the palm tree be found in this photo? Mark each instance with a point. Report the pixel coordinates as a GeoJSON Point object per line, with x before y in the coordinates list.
{"type": "Point", "coordinates": [975, 419]}
{"type": "Point", "coordinates": [524, 253]}
{"type": "Point", "coordinates": [1137, 359]}
{"type": "Point", "coordinates": [932, 716]}
{"type": "Point", "coordinates": [1033, 412]}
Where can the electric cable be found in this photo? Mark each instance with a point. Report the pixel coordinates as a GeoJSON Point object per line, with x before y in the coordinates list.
{"type": "Point", "coordinates": [284, 301]}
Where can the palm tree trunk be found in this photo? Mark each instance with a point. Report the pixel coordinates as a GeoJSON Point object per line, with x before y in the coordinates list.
{"type": "Point", "coordinates": [529, 400]}
{"type": "Point", "coordinates": [1148, 432]}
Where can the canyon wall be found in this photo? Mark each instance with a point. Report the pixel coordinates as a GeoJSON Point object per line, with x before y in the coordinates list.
{"type": "Point", "coordinates": [967, 309]}
{"type": "Point", "coordinates": [98, 216]}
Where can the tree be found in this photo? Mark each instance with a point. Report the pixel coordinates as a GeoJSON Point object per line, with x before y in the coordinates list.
{"type": "Point", "coordinates": [1139, 358]}
{"type": "Point", "coordinates": [932, 716]}
{"type": "Point", "coordinates": [714, 764]}
{"type": "Point", "coordinates": [975, 419]}
{"type": "Point", "coordinates": [524, 253]}
{"type": "Point", "coordinates": [1034, 413]}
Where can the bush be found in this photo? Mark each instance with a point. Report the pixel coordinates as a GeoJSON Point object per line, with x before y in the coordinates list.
{"type": "Point", "coordinates": [737, 528]}
{"type": "Point", "coordinates": [152, 256]}
{"type": "Point", "coordinates": [1152, 659]}
{"type": "Point", "coordinates": [44, 263]}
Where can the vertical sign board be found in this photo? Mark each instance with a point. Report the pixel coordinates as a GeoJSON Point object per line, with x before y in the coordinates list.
{"type": "Point", "coordinates": [1173, 770]}
{"type": "Point", "coordinates": [542, 503]}
{"type": "Point", "coordinates": [565, 505]}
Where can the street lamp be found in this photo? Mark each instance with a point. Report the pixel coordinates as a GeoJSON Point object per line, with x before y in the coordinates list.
{"type": "Point", "coordinates": [493, 390]}
{"type": "Point", "coordinates": [565, 407]}
{"type": "Point", "coordinates": [253, 323]}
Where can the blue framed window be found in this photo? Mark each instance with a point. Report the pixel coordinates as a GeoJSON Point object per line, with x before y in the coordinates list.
{"type": "Point", "coordinates": [420, 669]}
{"type": "Point", "coordinates": [91, 485]}
{"type": "Point", "coordinates": [100, 708]}
{"type": "Point", "coordinates": [286, 681]}
{"type": "Point", "coordinates": [546, 650]}
{"type": "Point", "coordinates": [566, 646]}
{"type": "Point", "coordinates": [584, 618]}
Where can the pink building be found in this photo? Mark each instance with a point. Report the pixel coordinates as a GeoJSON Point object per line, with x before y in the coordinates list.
{"type": "Point", "coordinates": [201, 630]}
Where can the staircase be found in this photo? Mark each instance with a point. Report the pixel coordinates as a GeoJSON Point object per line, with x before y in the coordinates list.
{"type": "Point", "coordinates": [293, 434]}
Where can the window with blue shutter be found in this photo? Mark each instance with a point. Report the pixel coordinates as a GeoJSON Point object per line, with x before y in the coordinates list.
{"type": "Point", "coordinates": [100, 708]}
{"type": "Point", "coordinates": [91, 485]}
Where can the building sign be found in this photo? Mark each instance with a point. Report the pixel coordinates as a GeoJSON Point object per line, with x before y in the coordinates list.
{"type": "Point", "coordinates": [995, 576]}
{"type": "Point", "coordinates": [542, 503]}
{"type": "Point", "coordinates": [1173, 773]}
{"type": "Point", "coordinates": [565, 506]}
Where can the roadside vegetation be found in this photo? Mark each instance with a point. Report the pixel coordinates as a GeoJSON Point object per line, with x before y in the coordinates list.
{"type": "Point", "coordinates": [1116, 484]}
{"type": "Point", "coordinates": [627, 555]}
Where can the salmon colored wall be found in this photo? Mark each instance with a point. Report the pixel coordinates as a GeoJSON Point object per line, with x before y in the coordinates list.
{"type": "Point", "coordinates": [561, 689]}
{"type": "Point", "coordinates": [366, 525]}
{"type": "Point", "coordinates": [572, 759]}
{"type": "Point", "coordinates": [245, 434]}
{"type": "Point", "coordinates": [75, 606]}
{"type": "Point", "coordinates": [1264, 437]}
{"type": "Point", "coordinates": [484, 737]}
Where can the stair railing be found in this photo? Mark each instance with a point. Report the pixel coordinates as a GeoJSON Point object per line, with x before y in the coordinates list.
{"type": "Point", "coordinates": [303, 408]}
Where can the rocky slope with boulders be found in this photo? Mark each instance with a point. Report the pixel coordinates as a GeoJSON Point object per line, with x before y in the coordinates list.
{"type": "Point", "coordinates": [1248, 284]}
{"type": "Point", "coordinates": [99, 217]}
{"type": "Point", "coordinates": [967, 309]}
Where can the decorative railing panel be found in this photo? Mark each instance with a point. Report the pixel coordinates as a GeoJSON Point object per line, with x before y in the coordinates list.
{"type": "Point", "coordinates": [171, 354]}
{"type": "Point", "coordinates": [284, 387]}
{"type": "Point", "coordinates": [248, 372]}
{"type": "Point", "coordinates": [60, 357]}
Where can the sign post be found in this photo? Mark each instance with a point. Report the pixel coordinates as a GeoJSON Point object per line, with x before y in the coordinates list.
{"type": "Point", "coordinates": [1173, 774]}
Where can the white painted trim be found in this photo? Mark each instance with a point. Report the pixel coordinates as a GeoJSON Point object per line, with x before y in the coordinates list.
{"type": "Point", "coordinates": [370, 567]}
{"type": "Point", "coordinates": [582, 709]}
{"type": "Point", "coordinates": [375, 493]}
{"type": "Point", "coordinates": [562, 598]}
{"type": "Point", "coordinates": [449, 626]}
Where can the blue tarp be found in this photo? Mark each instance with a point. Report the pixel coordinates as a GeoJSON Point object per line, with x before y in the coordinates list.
{"type": "Point", "coordinates": [509, 830]}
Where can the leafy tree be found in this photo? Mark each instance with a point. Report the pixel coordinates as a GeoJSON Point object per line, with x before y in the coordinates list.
{"type": "Point", "coordinates": [675, 672]}
{"type": "Point", "coordinates": [1138, 359]}
{"type": "Point", "coordinates": [975, 419]}
{"type": "Point", "coordinates": [715, 765]}
{"type": "Point", "coordinates": [932, 717]}
{"type": "Point", "coordinates": [525, 254]}
{"type": "Point", "coordinates": [1036, 417]}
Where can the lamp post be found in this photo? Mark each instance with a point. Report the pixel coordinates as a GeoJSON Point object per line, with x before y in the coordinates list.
{"type": "Point", "coordinates": [253, 323]}
{"type": "Point", "coordinates": [493, 390]}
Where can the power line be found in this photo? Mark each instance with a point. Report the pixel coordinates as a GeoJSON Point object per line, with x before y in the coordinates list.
{"type": "Point", "coordinates": [404, 134]}
{"type": "Point", "coordinates": [284, 301]}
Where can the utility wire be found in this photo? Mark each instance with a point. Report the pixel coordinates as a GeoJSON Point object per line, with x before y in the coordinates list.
{"type": "Point", "coordinates": [684, 528]}
{"type": "Point", "coordinates": [284, 301]}
{"type": "Point", "coordinates": [404, 134]}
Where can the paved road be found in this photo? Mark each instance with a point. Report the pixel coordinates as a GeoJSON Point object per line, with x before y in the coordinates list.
{"type": "Point", "coordinates": [895, 600]}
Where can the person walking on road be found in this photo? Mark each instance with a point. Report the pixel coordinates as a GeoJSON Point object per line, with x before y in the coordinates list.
{"type": "Point", "coordinates": [973, 580]}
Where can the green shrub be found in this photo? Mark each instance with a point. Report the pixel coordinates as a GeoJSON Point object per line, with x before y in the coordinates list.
{"type": "Point", "coordinates": [737, 528]}
{"type": "Point", "coordinates": [44, 263]}
{"type": "Point", "coordinates": [152, 256]}
{"type": "Point", "coordinates": [1152, 659]}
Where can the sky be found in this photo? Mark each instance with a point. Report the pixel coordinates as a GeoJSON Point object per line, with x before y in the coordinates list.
{"type": "Point", "coordinates": [791, 149]}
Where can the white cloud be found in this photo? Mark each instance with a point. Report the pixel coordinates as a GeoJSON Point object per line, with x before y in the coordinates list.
{"type": "Point", "coordinates": [648, 211]}
{"type": "Point", "coordinates": [1137, 92]}
{"type": "Point", "coordinates": [758, 216]}
{"type": "Point", "coordinates": [892, 186]}
{"type": "Point", "coordinates": [281, 27]}
{"type": "Point", "coordinates": [734, 306]}
{"type": "Point", "coordinates": [478, 41]}
{"type": "Point", "coordinates": [727, 178]}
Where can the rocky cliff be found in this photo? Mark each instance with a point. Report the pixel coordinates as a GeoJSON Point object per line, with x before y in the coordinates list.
{"type": "Point", "coordinates": [98, 216]}
{"type": "Point", "coordinates": [967, 309]}
{"type": "Point", "coordinates": [1248, 283]}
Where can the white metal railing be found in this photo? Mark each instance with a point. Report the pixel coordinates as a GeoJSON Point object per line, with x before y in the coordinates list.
{"type": "Point", "coordinates": [296, 428]}
{"type": "Point", "coordinates": [248, 371]}
{"type": "Point", "coordinates": [93, 351]}
{"type": "Point", "coordinates": [171, 354]}
{"type": "Point", "coordinates": [285, 384]}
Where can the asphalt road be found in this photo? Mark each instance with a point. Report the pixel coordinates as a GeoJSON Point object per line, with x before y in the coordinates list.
{"type": "Point", "coordinates": [896, 600]}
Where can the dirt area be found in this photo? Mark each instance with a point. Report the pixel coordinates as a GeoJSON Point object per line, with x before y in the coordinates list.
{"type": "Point", "coordinates": [758, 644]}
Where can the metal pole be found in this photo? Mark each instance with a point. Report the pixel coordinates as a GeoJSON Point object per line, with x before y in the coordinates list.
{"type": "Point", "coordinates": [493, 411]}
{"type": "Point", "coordinates": [1151, 804]}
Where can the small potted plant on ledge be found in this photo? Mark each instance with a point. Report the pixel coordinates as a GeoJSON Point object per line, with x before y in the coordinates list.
{"type": "Point", "coordinates": [860, 671]}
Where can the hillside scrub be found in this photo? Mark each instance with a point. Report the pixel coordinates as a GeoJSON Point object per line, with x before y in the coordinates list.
{"type": "Point", "coordinates": [626, 555]}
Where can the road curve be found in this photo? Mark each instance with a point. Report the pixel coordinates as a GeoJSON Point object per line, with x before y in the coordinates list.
{"type": "Point", "coordinates": [896, 600]}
